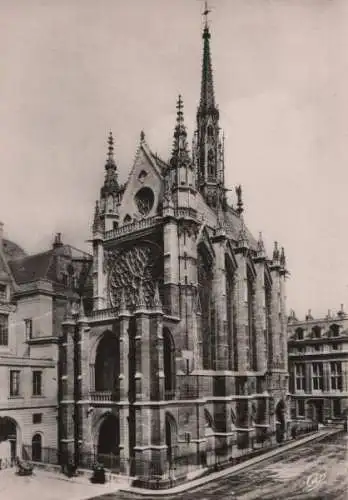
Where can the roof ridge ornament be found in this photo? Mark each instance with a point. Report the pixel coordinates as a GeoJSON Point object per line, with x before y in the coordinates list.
{"type": "Point", "coordinates": [243, 240]}
{"type": "Point", "coordinates": [261, 252]}
{"type": "Point", "coordinates": [240, 205]}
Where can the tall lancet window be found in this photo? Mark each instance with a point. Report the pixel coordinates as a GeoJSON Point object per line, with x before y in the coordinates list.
{"type": "Point", "coordinates": [251, 319]}
{"type": "Point", "coordinates": [205, 282]}
{"type": "Point", "coordinates": [230, 316]}
{"type": "Point", "coordinates": [268, 313]}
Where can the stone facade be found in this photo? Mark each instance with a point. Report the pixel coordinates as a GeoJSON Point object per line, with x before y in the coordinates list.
{"type": "Point", "coordinates": [318, 366]}
{"type": "Point", "coordinates": [183, 358]}
{"type": "Point", "coordinates": [33, 295]}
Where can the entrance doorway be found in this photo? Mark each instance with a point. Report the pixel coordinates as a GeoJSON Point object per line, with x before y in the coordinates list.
{"type": "Point", "coordinates": [36, 448]}
{"type": "Point", "coordinates": [315, 410]}
{"type": "Point", "coordinates": [108, 450]}
{"type": "Point", "coordinates": [171, 438]}
{"type": "Point", "coordinates": [8, 433]}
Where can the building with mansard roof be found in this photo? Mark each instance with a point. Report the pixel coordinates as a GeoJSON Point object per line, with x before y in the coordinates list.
{"type": "Point", "coordinates": [183, 359]}
{"type": "Point", "coordinates": [33, 296]}
{"type": "Point", "coordinates": [318, 366]}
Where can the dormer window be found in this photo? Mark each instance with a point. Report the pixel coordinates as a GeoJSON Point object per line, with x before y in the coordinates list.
{"type": "Point", "coordinates": [3, 293]}
{"type": "Point", "coordinates": [299, 333]}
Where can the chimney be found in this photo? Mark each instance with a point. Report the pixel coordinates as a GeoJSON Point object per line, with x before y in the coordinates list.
{"type": "Point", "coordinates": [57, 240]}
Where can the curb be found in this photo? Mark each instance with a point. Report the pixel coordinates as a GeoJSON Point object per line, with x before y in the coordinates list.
{"type": "Point", "coordinates": [195, 483]}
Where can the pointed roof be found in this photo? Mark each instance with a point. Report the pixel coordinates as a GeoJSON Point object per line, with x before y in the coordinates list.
{"type": "Point", "coordinates": [111, 177]}
{"type": "Point", "coordinates": [180, 155]}
{"type": "Point", "coordinates": [207, 98]}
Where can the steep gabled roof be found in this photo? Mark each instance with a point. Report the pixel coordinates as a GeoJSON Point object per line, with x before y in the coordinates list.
{"type": "Point", "coordinates": [43, 265]}
{"type": "Point", "coordinates": [31, 268]}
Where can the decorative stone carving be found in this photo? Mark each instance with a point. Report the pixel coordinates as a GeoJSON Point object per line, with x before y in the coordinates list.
{"type": "Point", "coordinates": [191, 228]}
{"type": "Point", "coordinates": [132, 269]}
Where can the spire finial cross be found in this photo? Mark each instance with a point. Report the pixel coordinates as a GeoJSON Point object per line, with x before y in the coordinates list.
{"type": "Point", "coordinates": [206, 12]}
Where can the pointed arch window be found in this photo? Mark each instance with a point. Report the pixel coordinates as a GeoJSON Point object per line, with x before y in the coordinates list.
{"type": "Point", "coordinates": [169, 364]}
{"type": "Point", "coordinates": [268, 311]}
{"type": "Point", "coordinates": [231, 317]}
{"type": "Point", "coordinates": [251, 319]}
{"type": "Point", "coordinates": [205, 284]}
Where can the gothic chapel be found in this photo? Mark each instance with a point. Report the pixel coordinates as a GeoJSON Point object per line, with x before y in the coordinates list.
{"type": "Point", "coordinates": [182, 360]}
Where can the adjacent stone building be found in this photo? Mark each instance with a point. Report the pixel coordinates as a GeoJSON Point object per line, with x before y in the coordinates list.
{"type": "Point", "coordinates": [184, 356]}
{"type": "Point", "coordinates": [318, 366]}
{"type": "Point", "coordinates": [33, 295]}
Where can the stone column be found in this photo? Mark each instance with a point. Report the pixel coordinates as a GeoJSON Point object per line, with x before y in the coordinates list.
{"type": "Point", "coordinates": [219, 294]}
{"type": "Point", "coordinates": [85, 431]}
{"type": "Point", "coordinates": [67, 402]}
{"type": "Point", "coordinates": [277, 349]}
{"type": "Point", "coordinates": [171, 261]}
{"type": "Point", "coordinates": [260, 317]}
{"type": "Point", "coordinates": [142, 354]}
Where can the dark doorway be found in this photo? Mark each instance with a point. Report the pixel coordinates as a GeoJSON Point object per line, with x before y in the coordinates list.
{"type": "Point", "coordinates": [8, 432]}
{"type": "Point", "coordinates": [280, 414]}
{"type": "Point", "coordinates": [36, 448]}
{"type": "Point", "coordinates": [109, 436]}
{"type": "Point", "coordinates": [316, 410]}
{"type": "Point", "coordinates": [170, 438]}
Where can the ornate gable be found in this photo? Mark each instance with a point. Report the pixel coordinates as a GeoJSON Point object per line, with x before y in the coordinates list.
{"type": "Point", "coordinates": [143, 190]}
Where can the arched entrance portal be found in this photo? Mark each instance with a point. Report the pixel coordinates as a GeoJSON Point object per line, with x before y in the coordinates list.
{"type": "Point", "coordinates": [108, 449]}
{"type": "Point", "coordinates": [8, 437]}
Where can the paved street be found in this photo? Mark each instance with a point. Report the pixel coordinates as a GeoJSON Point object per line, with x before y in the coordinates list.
{"type": "Point", "coordinates": [312, 472]}
{"type": "Point", "coordinates": [49, 486]}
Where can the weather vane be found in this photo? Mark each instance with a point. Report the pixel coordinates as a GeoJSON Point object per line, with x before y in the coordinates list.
{"type": "Point", "coordinates": [206, 12]}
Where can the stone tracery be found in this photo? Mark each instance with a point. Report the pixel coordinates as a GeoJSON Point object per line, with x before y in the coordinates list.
{"type": "Point", "coordinates": [131, 269]}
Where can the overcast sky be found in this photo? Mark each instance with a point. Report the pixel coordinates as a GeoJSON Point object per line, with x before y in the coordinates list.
{"type": "Point", "coordinates": [71, 70]}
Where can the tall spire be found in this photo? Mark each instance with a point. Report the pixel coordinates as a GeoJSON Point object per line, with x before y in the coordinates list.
{"type": "Point", "coordinates": [111, 181]}
{"type": "Point", "coordinates": [207, 100]}
{"type": "Point", "coordinates": [209, 160]}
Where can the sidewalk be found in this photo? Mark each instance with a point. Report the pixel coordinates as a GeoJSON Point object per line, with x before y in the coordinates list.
{"type": "Point", "coordinates": [230, 470]}
{"type": "Point", "coordinates": [48, 485]}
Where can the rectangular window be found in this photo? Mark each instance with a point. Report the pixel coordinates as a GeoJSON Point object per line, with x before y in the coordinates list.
{"type": "Point", "coordinates": [3, 329]}
{"type": "Point", "coordinates": [3, 294]}
{"type": "Point", "coordinates": [28, 328]}
{"type": "Point", "coordinates": [37, 383]}
{"type": "Point", "coordinates": [336, 407]}
{"type": "Point", "coordinates": [317, 376]}
{"type": "Point", "coordinates": [336, 375]}
{"type": "Point", "coordinates": [37, 418]}
{"type": "Point", "coordinates": [14, 382]}
{"type": "Point", "coordinates": [317, 348]}
{"type": "Point", "coordinates": [335, 347]}
{"type": "Point", "coordinates": [300, 408]}
{"type": "Point", "coordinates": [300, 376]}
